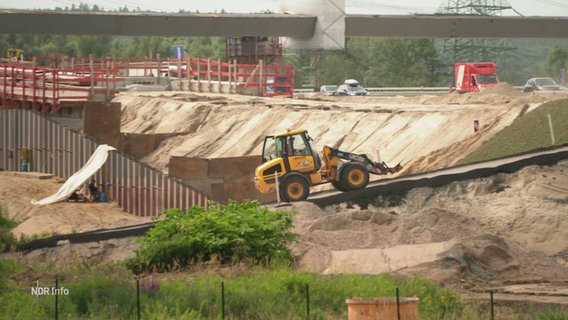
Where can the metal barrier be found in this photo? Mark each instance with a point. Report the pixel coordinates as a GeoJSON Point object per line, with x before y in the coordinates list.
{"type": "Point", "coordinates": [47, 89]}
{"type": "Point", "coordinates": [97, 79]}
{"type": "Point", "coordinates": [53, 148]}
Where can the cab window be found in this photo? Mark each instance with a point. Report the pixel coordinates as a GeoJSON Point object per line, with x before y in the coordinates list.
{"type": "Point", "coordinates": [296, 145]}
{"type": "Point", "coordinates": [269, 149]}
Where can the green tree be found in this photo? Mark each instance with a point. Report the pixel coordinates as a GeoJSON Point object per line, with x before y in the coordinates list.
{"type": "Point", "coordinates": [556, 60]}
{"type": "Point", "coordinates": [335, 68]}
{"type": "Point", "coordinates": [98, 46]}
{"type": "Point", "coordinates": [145, 46]}
{"type": "Point", "coordinates": [403, 62]}
{"type": "Point", "coordinates": [384, 62]}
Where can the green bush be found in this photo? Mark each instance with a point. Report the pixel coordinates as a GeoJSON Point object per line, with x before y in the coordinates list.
{"type": "Point", "coordinates": [7, 239]}
{"type": "Point", "coordinates": [7, 268]}
{"type": "Point", "coordinates": [230, 233]}
{"type": "Point", "coordinates": [17, 305]}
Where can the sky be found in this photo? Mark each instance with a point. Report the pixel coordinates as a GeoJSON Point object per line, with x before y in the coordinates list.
{"type": "Point", "coordinates": [524, 7]}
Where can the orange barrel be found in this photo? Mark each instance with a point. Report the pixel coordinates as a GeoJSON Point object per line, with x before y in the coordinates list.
{"type": "Point", "coordinates": [382, 308]}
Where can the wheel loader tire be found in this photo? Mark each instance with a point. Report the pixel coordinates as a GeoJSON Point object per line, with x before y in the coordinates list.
{"type": "Point", "coordinates": [338, 185]}
{"type": "Point", "coordinates": [294, 188]}
{"type": "Point", "coordinates": [354, 176]}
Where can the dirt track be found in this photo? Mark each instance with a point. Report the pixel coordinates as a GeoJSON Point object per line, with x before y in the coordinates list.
{"type": "Point", "coordinates": [488, 233]}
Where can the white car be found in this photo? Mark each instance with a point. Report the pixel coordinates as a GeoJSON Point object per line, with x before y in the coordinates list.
{"type": "Point", "coordinates": [351, 87]}
{"type": "Point", "coordinates": [328, 89]}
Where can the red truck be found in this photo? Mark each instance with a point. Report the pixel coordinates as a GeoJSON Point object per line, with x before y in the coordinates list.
{"type": "Point", "coordinates": [474, 76]}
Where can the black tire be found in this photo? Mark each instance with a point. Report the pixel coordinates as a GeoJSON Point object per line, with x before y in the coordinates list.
{"type": "Point", "coordinates": [294, 188]}
{"type": "Point", "coordinates": [354, 176]}
{"type": "Point", "coordinates": [338, 185]}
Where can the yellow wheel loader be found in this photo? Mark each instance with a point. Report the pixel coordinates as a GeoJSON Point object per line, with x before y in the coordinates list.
{"type": "Point", "coordinates": [15, 54]}
{"type": "Point", "coordinates": [290, 161]}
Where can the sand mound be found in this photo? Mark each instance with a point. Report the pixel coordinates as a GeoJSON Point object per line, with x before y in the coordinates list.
{"type": "Point", "coordinates": [57, 218]}
{"type": "Point", "coordinates": [503, 88]}
{"type": "Point", "coordinates": [458, 229]}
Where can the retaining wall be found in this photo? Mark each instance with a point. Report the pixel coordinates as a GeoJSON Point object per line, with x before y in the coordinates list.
{"type": "Point", "coordinates": [221, 178]}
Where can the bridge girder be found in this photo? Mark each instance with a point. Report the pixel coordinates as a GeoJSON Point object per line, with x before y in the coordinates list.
{"type": "Point", "coordinates": [286, 25]}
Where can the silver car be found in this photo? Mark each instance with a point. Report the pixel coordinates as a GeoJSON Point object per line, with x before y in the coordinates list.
{"type": "Point", "coordinates": [541, 84]}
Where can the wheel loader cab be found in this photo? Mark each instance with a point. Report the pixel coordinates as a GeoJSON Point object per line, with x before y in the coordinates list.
{"type": "Point", "coordinates": [295, 148]}
{"type": "Point", "coordinates": [285, 153]}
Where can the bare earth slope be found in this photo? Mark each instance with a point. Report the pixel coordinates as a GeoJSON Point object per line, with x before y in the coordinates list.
{"type": "Point", "coordinates": [425, 133]}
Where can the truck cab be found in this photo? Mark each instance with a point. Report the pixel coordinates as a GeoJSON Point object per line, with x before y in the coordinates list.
{"type": "Point", "coordinates": [475, 76]}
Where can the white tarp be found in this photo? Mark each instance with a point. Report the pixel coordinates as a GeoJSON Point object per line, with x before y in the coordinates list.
{"type": "Point", "coordinates": [74, 182]}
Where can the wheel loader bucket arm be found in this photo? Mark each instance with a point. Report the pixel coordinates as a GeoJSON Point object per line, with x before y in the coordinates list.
{"type": "Point", "coordinates": [332, 156]}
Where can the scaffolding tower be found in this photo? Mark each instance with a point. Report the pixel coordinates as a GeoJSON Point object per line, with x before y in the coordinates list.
{"type": "Point", "coordinates": [250, 50]}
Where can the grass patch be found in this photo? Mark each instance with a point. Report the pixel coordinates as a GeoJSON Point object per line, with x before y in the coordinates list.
{"type": "Point", "coordinates": [7, 239]}
{"type": "Point", "coordinates": [260, 293]}
{"type": "Point", "coordinates": [526, 133]}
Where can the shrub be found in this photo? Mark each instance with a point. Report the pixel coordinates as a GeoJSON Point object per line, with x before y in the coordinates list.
{"type": "Point", "coordinates": [7, 239]}
{"type": "Point", "coordinates": [230, 233]}
{"type": "Point", "coordinates": [109, 292]}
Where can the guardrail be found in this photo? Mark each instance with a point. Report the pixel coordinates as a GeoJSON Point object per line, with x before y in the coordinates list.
{"type": "Point", "coordinates": [399, 91]}
{"type": "Point", "coordinates": [391, 90]}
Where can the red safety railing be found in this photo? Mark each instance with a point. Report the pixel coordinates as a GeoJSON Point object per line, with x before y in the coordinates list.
{"type": "Point", "coordinates": [270, 80]}
{"type": "Point", "coordinates": [47, 89]}
{"type": "Point", "coordinates": [47, 83]}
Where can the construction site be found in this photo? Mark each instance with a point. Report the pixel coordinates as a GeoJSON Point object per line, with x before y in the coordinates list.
{"type": "Point", "coordinates": [181, 132]}
{"type": "Point", "coordinates": [510, 223]}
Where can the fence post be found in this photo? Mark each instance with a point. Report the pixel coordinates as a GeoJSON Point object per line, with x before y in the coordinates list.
{"type": "Point", "coordinates": [223, 300]}
{"type": "Point", "coordinates": [92, 77]}
{"type": "Point", "coordinates": [277, 187]}
{"type": "Point", "coordinates": [491, 302]}
{"type": "Point", "coordinates": [307, 301]}
{"type": "Point", "coordinates": [56, 297]}
{"type": "Point", "coordinates": [551, 128]}
{"type": "Point", "coordinates": [397, 304]}
{"type": "Point", "coordinates": [138, 297]}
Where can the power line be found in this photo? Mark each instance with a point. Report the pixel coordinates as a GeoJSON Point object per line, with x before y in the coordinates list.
{"type": "Point", "coordinates": [455, 50]}
{"type": "Point", "coordinates": [373, 5]}
{"type": "Point", "coordinates": [553, 3]}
